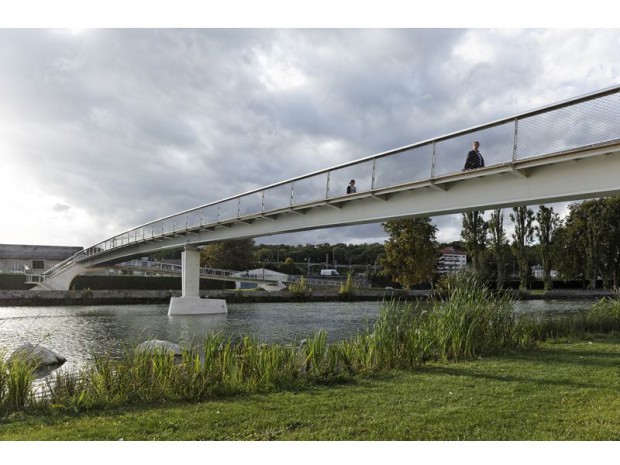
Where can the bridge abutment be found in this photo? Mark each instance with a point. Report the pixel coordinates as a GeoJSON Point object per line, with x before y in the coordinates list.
{"type": "Point", "coordinates": [190, 302]}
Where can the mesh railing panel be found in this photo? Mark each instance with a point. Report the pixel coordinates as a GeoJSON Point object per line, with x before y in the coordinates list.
{"type": "Point", "coordinates": [408, 166]}
{"type": "Point", "coordinates": [586, 123]}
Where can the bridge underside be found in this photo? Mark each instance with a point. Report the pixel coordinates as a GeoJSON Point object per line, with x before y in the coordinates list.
{"type": "Point", "coordinates": [588, 173]}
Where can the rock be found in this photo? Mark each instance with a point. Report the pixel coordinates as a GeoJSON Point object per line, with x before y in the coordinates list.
{"type": "Point", "coordinates": [39, 355]}
{"type": "Point", "coordinates": [160, 346]}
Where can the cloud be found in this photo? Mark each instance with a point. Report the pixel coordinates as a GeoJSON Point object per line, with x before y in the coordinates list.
{"type": "Point", "coordinates": [129, 125]}
{"type": "Point", "coordinates": [59, 208]}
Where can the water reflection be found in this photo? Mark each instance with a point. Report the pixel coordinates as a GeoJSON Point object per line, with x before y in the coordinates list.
{"type": "Point", "coordinates": [79, 332]}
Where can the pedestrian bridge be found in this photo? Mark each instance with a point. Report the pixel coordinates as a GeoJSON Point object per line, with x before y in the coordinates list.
{"type": "Point", "coordinates": [565, 151]}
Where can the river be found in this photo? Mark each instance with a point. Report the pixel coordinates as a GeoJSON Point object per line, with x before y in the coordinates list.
{"type": "Point", "coordinates": [79, 332]}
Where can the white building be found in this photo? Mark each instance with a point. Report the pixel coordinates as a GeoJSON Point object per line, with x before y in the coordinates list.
{"type": "Point", "coordinates": [258, 273]}
{"type": "Point", "coordinates": [32, 259]}
{"type": "Point", "coordinates": [451, 259]}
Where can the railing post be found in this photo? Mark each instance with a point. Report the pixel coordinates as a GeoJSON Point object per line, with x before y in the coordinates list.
{"type": "Point", "coordinates": [239, 207]}
{"type": "Point", "coordinates": [327, 185]}
{"type": "Point", "coordinates": [433, 160]}
{"type": "Point", "coordinates": [262, 201]}
{"type": "Point", "coordinates": [514, 141]}
{"type": "Point", "coordinates": [292, 194]}
{"type": "Point", "coordinates": [372, 179]}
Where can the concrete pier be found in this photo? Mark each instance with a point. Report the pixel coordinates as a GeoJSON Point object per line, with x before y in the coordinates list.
{"type": "Point", "coordinates": [190, 302]}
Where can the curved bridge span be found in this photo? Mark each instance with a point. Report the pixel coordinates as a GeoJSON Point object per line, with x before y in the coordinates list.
{"type": "Point", "coordinates": [565, 151]}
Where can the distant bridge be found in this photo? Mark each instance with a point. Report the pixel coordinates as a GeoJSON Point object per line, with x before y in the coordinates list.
{"type": "Point", "coordinates": [267, 280]}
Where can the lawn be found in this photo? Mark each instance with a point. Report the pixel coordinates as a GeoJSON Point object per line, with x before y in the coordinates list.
{"type": "Point", "coordinates": [559, 391]}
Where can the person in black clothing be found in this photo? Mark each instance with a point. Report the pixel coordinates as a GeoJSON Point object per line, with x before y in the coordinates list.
{"type": "Point", "coordinates": [351, 189]}
{"type": "Point", "coordinates": [474, 158]}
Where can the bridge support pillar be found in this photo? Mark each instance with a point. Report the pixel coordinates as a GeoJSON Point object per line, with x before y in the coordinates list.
{"type": "Point", "coordinates": [190, 302]}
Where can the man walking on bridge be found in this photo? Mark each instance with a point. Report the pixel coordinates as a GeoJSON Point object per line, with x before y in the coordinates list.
{"type": "Point", "coordinates": [474, 158]}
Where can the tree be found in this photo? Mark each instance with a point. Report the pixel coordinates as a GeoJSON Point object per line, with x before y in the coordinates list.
{"type": "Point", "coordinates": [611, 244]}
{"type": "Point", "coordinates": [474, 235]}
{"type": "Point", "coordinates": [410, 251]}
{"type": "Point", "coordinates": [234, 254]}
{"type": "Point", "coordinates": [569, 246]}
{"type": "Point", "coordinates": [498, 244]}
{"type": "Point", "coordinates": [523, 235]}
{"type": "Point", "coordinates": [548, 222]}
{"type": "Point", "coordinates": [590, 241]}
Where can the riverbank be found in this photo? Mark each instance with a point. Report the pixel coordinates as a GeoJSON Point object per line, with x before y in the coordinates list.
{"type": "Point", "coordinates": [21, 298]}
{"type": "Point", "coordinates": [558, 391]}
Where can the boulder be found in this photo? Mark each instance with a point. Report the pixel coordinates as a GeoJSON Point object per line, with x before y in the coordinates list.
{"type": "Point", "coordinates": [39, 355]}
{"type": "Point", "coordinates": [160, 346]}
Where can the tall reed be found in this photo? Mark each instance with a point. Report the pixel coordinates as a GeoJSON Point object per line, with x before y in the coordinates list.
{"type": "Point", "coordinates": [469, 319]}
{"type": "Point", "coordinates": [17, 380]}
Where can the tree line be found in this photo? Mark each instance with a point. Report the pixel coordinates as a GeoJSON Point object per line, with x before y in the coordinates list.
{"type": "Point", "coordinates": [584, 246]}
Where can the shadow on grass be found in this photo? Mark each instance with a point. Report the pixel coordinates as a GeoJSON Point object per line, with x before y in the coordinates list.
{"type": "Point", "coordinates": [541, 363]}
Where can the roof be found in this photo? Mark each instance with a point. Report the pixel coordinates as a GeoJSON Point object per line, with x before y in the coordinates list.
{"type": "Point", "coordinates": [451, 251]}
{"type": "Point", "coordinates": [37, 252]}
{"type": "Point", "coordinates": [260, 272]}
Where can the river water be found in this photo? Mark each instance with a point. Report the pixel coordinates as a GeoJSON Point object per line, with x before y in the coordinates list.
{"type": "Point", "coordinates": [79, 332]}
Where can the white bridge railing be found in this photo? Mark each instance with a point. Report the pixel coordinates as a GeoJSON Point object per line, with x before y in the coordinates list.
{"type": "Point", "coordinates": [586, 121]}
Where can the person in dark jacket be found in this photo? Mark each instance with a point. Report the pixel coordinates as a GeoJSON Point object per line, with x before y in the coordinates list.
{"type": "Point", "coordinates": [351, 189]}
{"type": "Point", "coordinates": [474, 158]}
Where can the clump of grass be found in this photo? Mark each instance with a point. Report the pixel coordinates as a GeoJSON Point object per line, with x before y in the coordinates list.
{"type": "Point", "coordinates": [602, 317]}
{"type": "Point", "coordinates": [468, 319]}
{"type": "Point", "coordinates": [16, 378]}
{"type": "Point", "coordinates": [300, 290]}
{"type": "Point", "coordinates": [347, 289]}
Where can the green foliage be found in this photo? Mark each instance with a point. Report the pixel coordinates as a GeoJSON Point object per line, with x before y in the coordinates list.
{"type": "Point", "coordinates": [548, 223]}
{"type": "Point", "coordinates": [498, 246]}
{"type": "Point", "coordinates": [523, 235]}
{"type": "Point", "coordinates": [411, 251]}
{"type": "Point", "coordinates": [474, 235]}
{"type": "Point", "coordinates": [588, 244]}
{"type": "Point", "coordinates": [355, 254]}
{"type": "Point", "coordinates": [288, 267]}
{"type": "Point", "coordinates": [16, 378]}
{"type": "Point", "coordinates": [300, 289]}
{"type": "Point", "coordinates": [234, 254]}
{"type": "Point", "coordinates": [348, 288]}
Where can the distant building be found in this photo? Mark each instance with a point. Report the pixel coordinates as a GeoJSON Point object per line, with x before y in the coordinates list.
{"type": "Point", "coordinates": [537, 272]}
{"type": "Point", "coordinates": [451, 259]}
{"type": "Point", "coordinates": [259, 273]}
{"type": "Point", "coordinates": [32, 259]}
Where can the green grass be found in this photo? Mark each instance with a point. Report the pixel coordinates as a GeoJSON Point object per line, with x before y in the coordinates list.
{"type": "Point", "coordinates": [559, 391]}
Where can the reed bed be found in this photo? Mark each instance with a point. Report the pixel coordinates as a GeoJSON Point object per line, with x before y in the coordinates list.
{"type": "Point", "coordinates": [465, 320]}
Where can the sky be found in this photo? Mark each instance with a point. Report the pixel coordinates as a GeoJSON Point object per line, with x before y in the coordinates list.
{"type": "Point", "coordinates": [105, 129]}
